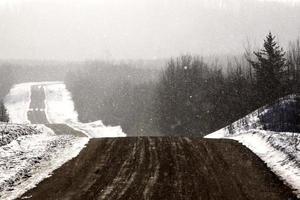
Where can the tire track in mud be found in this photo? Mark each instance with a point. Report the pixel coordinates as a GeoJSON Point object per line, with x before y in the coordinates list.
{"type": "Point", "coordinates": [122, 177]}
{"type": "Point", "coordinates": [134, 173]}
{"type": "Point", "coordinates": [90, 180]}
{"type": "Point", "coordinates": [214, 156]}
{"type": "Point", "coordinates": [153, 168]}
{"type": "Point", "coordinates": [163, 168]}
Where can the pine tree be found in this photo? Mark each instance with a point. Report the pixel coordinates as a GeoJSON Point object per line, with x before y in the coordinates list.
{"type": "Point", "coordinates": [269, 70]}
{"type": "Point", "coordinates": [3, 113]}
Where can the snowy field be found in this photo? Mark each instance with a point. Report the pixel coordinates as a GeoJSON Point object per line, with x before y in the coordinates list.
{"type": "Point", "coordinates": [279, 150]}
{"type": "Point", "coordinates": [17, 103]}
{"type": "Point", "coordinates": [30, 153]}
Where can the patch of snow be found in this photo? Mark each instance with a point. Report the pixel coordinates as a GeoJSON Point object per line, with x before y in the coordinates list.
{"type": "Point", "coordinates": [217, 134]}
{"type": "Point", "coordinates": [10, 132]}
{"type": "Point", "coordinates": [29, 159]}
{"type": "Point", "coordinates": [59, 104]}
{"type": "Point", "coordinates": [17, 102]}
{"type": "Point", "coordinates": [252, 120]}
{"type": "Point", "coordinates": [97, 129]}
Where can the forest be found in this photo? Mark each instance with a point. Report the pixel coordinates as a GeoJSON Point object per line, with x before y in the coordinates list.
{"type": "Point", "coordinates": [189, 95]}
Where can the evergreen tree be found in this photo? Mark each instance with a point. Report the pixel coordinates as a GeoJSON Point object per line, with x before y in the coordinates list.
{"type": "Point", "coordinates": [269, 70]}
{"type": "Point", "coordinates": [3, 113]}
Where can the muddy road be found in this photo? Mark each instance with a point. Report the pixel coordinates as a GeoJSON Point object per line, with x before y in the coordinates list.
{"type": "Point", "coordinates": [162, 168]}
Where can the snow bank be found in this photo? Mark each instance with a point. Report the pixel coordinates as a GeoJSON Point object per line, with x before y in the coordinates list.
{"type": "Point", "coordinates": [279, 150]}
{"type": "Point", "coordinates": [10, 132]}
{"type": "Point", "coordinates": [255, 120]}
{"type": "Point", "coordinates": [60, 109]}
{"type": "Point", "coordinates": [59, 104]}
{"type": "Point", "coordinates": [27, 160]}
{"type": "Point", "coordinates": [98, 130]}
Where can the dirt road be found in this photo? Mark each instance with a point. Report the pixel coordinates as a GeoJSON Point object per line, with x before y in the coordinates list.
{"type": "Point", "coordinates": [162, 168]}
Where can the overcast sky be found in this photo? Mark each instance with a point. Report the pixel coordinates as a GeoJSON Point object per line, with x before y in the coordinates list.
{"type": "Point", "coordinates": [140, 29]}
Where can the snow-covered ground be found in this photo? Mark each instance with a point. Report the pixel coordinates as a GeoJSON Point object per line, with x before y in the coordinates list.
{"type": "Point", "coordinates": [30, 153]}
{"type": "Point", "coordinates": [17, 103]}
{"type": "Point", "coordinates": [279, 150]}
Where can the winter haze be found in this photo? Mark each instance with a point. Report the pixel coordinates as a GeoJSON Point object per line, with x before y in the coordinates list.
{"type": "Point", "coordinates": [140, 29]}
{"type": "Point", "coordinates": [150, 99]}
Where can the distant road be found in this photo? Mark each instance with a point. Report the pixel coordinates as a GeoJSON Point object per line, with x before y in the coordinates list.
{"type": "Point", "coordinates": [163, 168]}
{"type": "Point", "coordinates": [36, 113]}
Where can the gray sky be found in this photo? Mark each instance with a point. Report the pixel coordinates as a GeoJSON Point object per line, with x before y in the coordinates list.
{"type": "Point", "coordinates": [145, 29]}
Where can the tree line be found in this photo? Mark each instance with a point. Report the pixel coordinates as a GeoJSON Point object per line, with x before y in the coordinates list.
{"type": "Point", "coordinates": [189, 96]}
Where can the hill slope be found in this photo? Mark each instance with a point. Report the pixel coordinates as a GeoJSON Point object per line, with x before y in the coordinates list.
{"type": "Point", "coordinates": [270, 132]}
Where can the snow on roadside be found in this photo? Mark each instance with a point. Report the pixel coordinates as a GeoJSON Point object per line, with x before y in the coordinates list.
{"type": "Point", "coordinates": [97, 129]}
{"type": "Point", "coordinates": [59, 104]}
{"type": "Point", "coordinates": [17, 103]}
{"type": "Point", "coordinates": [252, 120]}
{"type": "Point", "coordinates": [28, 159]}
{"type": "Point", "coordinates": [60, 109]}
{"type": "Point", "coordinates": [10, 132]}
{"type": "Point", "coordinates": [279, 150]}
